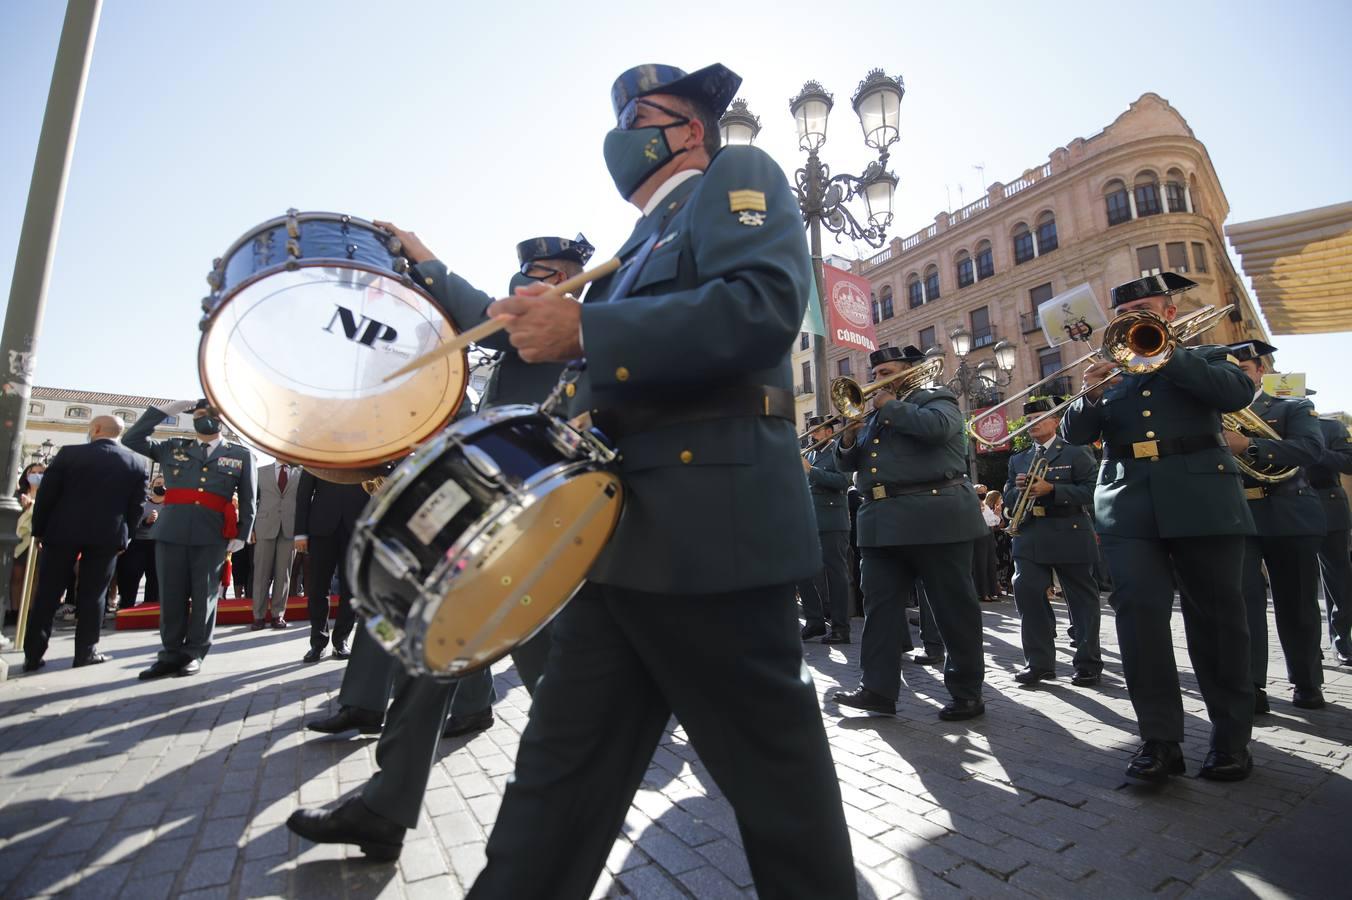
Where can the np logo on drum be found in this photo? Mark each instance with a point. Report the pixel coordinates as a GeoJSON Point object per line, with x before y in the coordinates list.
{"type": "Point", "coordinates": [370, 330]}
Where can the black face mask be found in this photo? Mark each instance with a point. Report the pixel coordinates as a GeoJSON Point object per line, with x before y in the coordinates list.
{"type": "Point", "coordinates": [207, 425]}
{"type": "Point", "coordinates": [158, 490]}
{"type": "Point", "coordinates": [520, 279]}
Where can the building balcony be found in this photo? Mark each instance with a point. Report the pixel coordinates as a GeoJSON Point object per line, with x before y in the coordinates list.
{"type": "Point", "coordinates": [983, 337]}
{"type": "Point", "coordinates": [801, 389]}
{"type": "Point", "coordinates": [1029, 322]}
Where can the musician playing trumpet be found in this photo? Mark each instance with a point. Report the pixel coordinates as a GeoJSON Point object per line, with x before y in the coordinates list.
{"type": "Point", "coordinates": [1055, 535]}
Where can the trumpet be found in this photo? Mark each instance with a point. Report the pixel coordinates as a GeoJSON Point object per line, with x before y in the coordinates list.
{"type": "Point", "coordinates": [1251, 425]}
{"type": "Point", "coordinates": [1036, 472]}
{"type": "Point", "coordinates": [850, 398]}
{"type": "Point", "coordinates": [1139, 341]}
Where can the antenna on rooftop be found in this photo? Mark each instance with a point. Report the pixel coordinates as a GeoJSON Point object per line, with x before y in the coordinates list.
{"type": "Point", "coordinates": [981, 174]}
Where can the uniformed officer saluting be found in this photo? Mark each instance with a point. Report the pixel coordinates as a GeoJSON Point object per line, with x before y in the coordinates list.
{"type": "Point", "coordinates": [1334, 564]}
{"type": "Point", "coordinates": [690, 608]}
{"type": "Point", "coordinates": [826, 593]}
{"type": "Point", "coordinates": [920, 518]}
{"type": "Point", "coordinates": [1057, 536]}
{"type": "Point", "coordinates": [197, 526]}
{"type": "Point", "coordinates": [1169, 499]}
{"type": "Point", "coordinates": [1289, 523]}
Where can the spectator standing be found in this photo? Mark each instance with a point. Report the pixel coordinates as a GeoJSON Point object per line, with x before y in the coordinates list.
{"type": "Point", "coordinates": [26, 493]}
{"type": "Point", "coordinates": [983, 550]}
{"type": "Point", "coordinates": [326, 513]}
{"type": "Point", "coordinates": [138, 560]}
{"type": "Point", "coordinates": [274, 548]}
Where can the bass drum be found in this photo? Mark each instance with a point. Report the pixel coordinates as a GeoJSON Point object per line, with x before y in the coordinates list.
{"type": "Point", "coordinates": [481, 536]}
{"type": "Point", "coordinates": [308, 314]}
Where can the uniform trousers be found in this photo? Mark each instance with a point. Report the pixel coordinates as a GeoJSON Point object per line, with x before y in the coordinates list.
{"type": "Point", "coordinates": [622, 662]}
{"type": "Point", "coordinates": [1209, 571]}
{"type": "Point", "coordinates": [272, 576]}
{"type": "Point", "coordinates": [1336, 570]}
{"type": "Point", "coordinates": [827, 594]}
{"type": "Point", "coordinates": [55, 562]}
{"type": "Point", "coordinates": [929, 631]}
{"type": "Point", "coordinates": [326, 555]}
{"type": "Point", "coordinates": [135, 563]}
{"type": "Point", "coordinates": [986, 580]}
{"type": "Point", "coordinates": [188, 572]}
{"type": "Point", "coordinates": [1293, 570]}
{"type": "Point", "coordinates": [1038, 622]}
{"type": "Point", "coordinates": [946, 569]}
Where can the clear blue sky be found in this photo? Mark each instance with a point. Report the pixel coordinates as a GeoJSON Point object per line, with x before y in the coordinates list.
{"type": "Point", "coordinates": [477, 125]}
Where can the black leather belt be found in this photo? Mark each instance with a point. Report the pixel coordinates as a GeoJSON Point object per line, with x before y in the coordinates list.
{"type": "Point", "coordinates": [1291, 486]}
{"type": "Point", "coordinates": [1057, 512]}
{"type": "Point", "coordinates": [726, 402]}
{"type": "Point", "coordinates": [1165, 447]}
{"type": "Point", "coordinates": [882, 491]}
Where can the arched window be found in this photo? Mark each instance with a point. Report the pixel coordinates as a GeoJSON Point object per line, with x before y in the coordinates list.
{"type": "Point", "coordinates": [873, 297]}
{"type": "Point", "coordinates": [931, 284]}
{"type": "Point", "coordinates": [885, 302]}
{"type": "Point", "coordinates": [1118, 203]}
{"type": "Point", "coordinates": [1023, 244]}
{"type": "Point", "coordinates": [126, 415]}
{"type": "Point", "coordinates": [1175, 191]}
{"type": "Point", "coordinates": [1148, 194]}
{"type": "Point", "coordinates": [985, 263]}
{"type": "Point", "coordinates": [915, 293]}
{"type": "Point", "coordinates": [77, 412]}
{"type": "Point", "coordinates": [965, 270]}
{"type": "Point", "coordinates": [1046, 233]}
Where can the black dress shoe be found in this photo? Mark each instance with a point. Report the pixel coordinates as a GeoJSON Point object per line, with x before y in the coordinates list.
{"type": "Point", "coordinates": [258, 625]}
{"type": "Point", "coordinates": [1342, 648]}
{"type": "Point", "coordinates": [313, 655]}
{"type": "Point", "coordinates": [1307, 698]}
{"type": "Point", "coordinates": [32, 665]}
{"type": "Point", "coordinates": [159, 669]}
{"type": "Point", "coordinates": [340, 650]}
{"type": "Point", "coordinates": [351, 823]}
{"type": "Point", "coordinates": [1029, 675]}
{"type": "Point", "coordinates": [925, 659]}
{"type": "Point", "coordinates": [1156, 761]}
{"type": "Point", "coordinates": [92, 658]}
{"type": "Point", "coordinates": [279, 623]}
{"type": "Point", "coordinates": [458, 725]}
{"type": "Point", "coordinates": [863, 698]}
{"type": "Point", "coordinates": [346, 719]}
{"type": "Point", "coordinates": [837, 637]}
{"type": "Point", "coordinates": [813, 629]}
{"type": "Point", "coordinates": [1220, 766]}
{"type": "Point", "coordinates": [1085, 678]}
{"type": "Point", "coordinates": [191, 667]}
{"type": "Point", "coordinates": [1260, 703]}
{"type": "Point", "coordinates": [957, 710]}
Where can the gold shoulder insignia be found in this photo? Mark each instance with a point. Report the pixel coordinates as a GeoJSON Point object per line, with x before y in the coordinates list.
{"type": "Point", "coordinates": [746, 199]}
{"type": "Point", "coordinates": [1314, 413]}
{"type": "Point", "coordinates": [1231, 358]}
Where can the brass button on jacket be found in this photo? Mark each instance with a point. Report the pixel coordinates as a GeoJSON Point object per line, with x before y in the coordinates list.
{"type": "Point", "coordinates": [687, 457]}
{"type": "Point", "coordinates": [621, 374]}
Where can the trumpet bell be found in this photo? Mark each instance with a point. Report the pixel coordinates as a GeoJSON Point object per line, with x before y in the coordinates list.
{"type": "Point", "coordinates": [1138, 341]}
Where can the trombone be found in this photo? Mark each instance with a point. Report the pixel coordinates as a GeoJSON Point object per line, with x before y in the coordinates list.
{"type": "Point", "coordinates": [850, 398]}
{"type": "Point", "coordinates": [1139, 341]}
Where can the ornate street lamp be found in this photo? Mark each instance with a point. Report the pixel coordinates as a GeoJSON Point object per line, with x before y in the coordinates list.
{"type": "Point", "coordinates": [47, 448]}
{"type": "Point", "coordinates": [823, 197]}
{"type": "Point", "coordinates": [978, 385]}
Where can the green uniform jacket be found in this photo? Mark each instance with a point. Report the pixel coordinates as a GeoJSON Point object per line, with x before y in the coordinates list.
{"type": "Point", "coordinates": [1182, 495]}
{"type": "Point", "coordinates": [828, 486]}
{"type": "Point", "coordinates": [1336, 459]}
{"type": "Point", "coordinates": [914, 441]}
{"type": "Point", "coordinates": [721, 504]}
{"type": "Point", "coordinates": [184, 463]}
{"type": "Point", "coordinates": [514, 380]}
{"type": "Point", "coordinates": [1293, 508]}
{"type": "Point", "coordinates": [1067, 536]}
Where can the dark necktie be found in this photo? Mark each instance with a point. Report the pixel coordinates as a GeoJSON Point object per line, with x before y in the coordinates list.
{"type": "Point", "coordinates": [281, 479]}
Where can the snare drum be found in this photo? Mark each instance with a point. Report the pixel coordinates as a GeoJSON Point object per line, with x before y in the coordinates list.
{"type": "Point", "coordinates": [307, 315]}
{"type": "Point", "coordinates": [481, 536]}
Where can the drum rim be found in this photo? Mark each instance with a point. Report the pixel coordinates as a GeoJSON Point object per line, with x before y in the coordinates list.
{"type": "Point", "coordinates": [315, 215]}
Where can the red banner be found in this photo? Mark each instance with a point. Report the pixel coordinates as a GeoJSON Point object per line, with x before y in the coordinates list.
{"type": "Point", "coordinates": [991, 426]}
{"type": "Point", "coordinates": [849, 306]}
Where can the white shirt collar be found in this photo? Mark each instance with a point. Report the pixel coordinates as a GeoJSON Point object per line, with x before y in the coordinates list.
{"type": "Point", "coordinates": [667, 187]}
{"type": "Point", "coordinates": [212, 445]}
{"type": "Point", "coordinates": [1047, 445]}
{"type": "Point", "coordinates": [1258, 393]}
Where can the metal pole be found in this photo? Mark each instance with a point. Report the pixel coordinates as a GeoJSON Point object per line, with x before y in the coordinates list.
{"type": "Point", "coordinates": [33, 264]}
{"type": "Point", "coordinates": [819, 342]}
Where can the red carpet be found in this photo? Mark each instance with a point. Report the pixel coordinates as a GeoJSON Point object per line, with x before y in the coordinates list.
{"type": "Point", "coordinates": [228, 612]}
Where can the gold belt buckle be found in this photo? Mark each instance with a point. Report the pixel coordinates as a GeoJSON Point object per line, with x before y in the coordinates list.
{"type": "Point", "coordinates": [1039, 511]}
{"type": "Point", "coordinates": [879, 492]}
{"type": "Point", "coordinates": [1254, 493]}
{"type": "Point", "coordinates": [1145, 449]}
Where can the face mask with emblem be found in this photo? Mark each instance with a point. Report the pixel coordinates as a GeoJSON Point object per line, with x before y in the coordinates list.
{"type": "Point", "coordinates": [633, 155]}
{"type": "Point", "coordinates": [206, 425]}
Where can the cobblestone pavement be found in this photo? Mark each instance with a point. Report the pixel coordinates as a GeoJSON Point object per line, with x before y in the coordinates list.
{"type": "Point", "coordinates": [114, 787]}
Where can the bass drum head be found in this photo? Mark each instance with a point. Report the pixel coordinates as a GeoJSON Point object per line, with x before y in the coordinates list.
{"type": "Point", "coordinates": [513, 581]}
{"type": "Point", "coordinates": [299, 359]}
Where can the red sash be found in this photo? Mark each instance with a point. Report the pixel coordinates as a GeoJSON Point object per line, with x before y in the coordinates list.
{"type": "Point", "coordinates": [222, 505]}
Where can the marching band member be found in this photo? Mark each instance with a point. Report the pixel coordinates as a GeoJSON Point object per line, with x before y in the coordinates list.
{"type": "Point", "coordinates": [1334, 564]}
{"type": "Point", "coordinates": [920, 518]}
{"type": "Point", "coordinates": [1056, 536]}
{"type": "Point", "coordinates": [826, 594]}
{"type": "Point", "coordinates": [1169, 499]}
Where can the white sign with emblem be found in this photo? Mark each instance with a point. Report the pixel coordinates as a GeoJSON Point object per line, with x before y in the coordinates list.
{"type": "Point", "coordinates": [437, 510]}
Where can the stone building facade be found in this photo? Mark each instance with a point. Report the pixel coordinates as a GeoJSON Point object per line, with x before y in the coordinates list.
{"type": "Point", "coordinates": [1140, 196]}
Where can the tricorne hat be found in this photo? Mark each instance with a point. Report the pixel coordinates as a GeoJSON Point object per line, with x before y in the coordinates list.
{"type": "Point", "coordinates": [1161, 285]}
{"type": "Point", "coordinates": [577, 250]}
{"type": "Point", "coordinates": [714, 86]}
{"type": "Point", "coordinates": [1252, 349]}
{"type": "Point", "coordinates": [910, 354]}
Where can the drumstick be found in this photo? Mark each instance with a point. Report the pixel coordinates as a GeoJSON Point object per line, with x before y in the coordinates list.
{"type": "Point", "coordinates": [494, 325]}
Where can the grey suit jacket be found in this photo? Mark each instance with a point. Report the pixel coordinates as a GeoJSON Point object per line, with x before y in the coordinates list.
{"type": "Point", "coordinates": [276, 510]}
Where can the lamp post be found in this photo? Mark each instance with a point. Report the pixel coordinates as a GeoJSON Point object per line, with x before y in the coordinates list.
{"type": "Point", "coordinates": [822, 197]}
{"type": "Point", "coordinates": [47, 448]}
{"type": "Point", "coordinates": [976, 385]}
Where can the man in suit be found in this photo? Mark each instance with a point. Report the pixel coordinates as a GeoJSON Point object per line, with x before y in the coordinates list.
{"type": "Point", "coordinates": [274, 543]}
{"type": "Point", "coordinates": [826, 594]}
{"type": "Point", "coordinates": [1169, 499]}
{"type": "Point", "coordinates": [1289, 521]}
{"type": "Point", "coordinates": [326, 513]}
{"type": "Point", "coordinates": [89, 502]}
{"type": "Point", "coordinates": [1056, 537]}
{"type": "Point", "coordinates": [919, 520]}
{"type": "Point", "coordinates": [1334, 565]}
{"type": "Point", "coordinates": [198, 525]}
